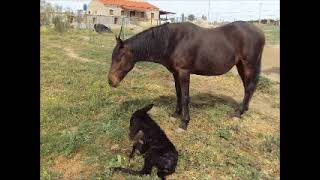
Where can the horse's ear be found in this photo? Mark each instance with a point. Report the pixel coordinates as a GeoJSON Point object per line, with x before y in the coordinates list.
{"type": "Point", "coordinates": [119, 41]}
{"type": "Point", "coordinates": [146, 108]}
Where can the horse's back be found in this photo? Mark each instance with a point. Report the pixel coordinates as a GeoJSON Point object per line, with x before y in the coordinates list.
{"type": "Point", "coordinates": [214, 51]}
{"type": "Point", "coordinates": [247, 39]}
{"type": "Point", "coordinates": [245, 32]}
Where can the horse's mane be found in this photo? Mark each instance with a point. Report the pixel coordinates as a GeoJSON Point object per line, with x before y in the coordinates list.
{"type": "Point", "coordinates": [151, 43]}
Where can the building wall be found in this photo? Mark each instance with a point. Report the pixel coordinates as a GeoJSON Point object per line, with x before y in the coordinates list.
{"type": "Point", "coordinates": [97, 8]}
{"type": "Point", "coordinates": [156, 14]}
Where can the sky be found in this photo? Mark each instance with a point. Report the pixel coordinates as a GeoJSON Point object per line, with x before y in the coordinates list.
{"type": "Point", "coordinates": [218, 10]}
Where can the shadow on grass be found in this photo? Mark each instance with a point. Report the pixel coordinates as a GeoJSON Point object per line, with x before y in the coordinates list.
{"type": "Point", "coordinates": [197, 102]}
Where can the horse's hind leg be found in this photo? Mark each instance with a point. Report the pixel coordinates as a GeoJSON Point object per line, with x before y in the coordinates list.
{"type": "Point", "coordinates": [178, 94]}
{"type": "Point", "coordinates": [249, 73]}
{"type": "Point", "coordinates": [241, 72]}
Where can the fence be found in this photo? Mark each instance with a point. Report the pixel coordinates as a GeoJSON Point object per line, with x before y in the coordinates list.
{"type": "Point", "coordinates": [85, 21]}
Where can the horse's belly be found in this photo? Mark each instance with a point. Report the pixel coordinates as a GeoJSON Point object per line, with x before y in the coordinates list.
{"type": "Point", "coordinates": [213, 68]}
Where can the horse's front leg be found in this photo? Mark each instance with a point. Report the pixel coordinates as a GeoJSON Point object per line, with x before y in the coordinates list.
{"type": "Point", "coordinates": [177, 113]}
{"type": "Point", "coordinates": [184, 79]}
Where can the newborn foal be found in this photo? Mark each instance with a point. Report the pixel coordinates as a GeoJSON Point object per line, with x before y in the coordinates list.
{"type": "Point", "coordinates": [157, 149]}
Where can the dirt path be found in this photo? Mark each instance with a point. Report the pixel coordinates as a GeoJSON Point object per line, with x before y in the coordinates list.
{"type": "Point", "coordinates": [70, 52]}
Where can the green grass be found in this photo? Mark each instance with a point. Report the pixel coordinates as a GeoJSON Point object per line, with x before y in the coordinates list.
{"type": "Point", "coordinates": [265, 85]}
{"type": "Point", "coordinates": [82, 117]}
{"type": "Point", "coordinates": [271, 145]}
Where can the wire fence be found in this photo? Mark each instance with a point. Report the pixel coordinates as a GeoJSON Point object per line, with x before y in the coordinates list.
{"type": "Point", "coordinates": [270, 27]}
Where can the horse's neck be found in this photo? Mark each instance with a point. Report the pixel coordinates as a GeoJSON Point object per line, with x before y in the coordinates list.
{"type": "Point", "coordinates": [153, 52]}
{"type": "Point", "coordinates": [149, 59]}
{"type": "Point", "coordinates": [147, 56]}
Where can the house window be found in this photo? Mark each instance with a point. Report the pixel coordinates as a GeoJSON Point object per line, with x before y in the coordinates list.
{"type": "Point", "coordinates": [142, 15]}
{"type": "Point", "coordinates": [152, 15]}
{"type": "Point", "coordinates": [122, 13]}
{"type": "Point", "coordinates": [111, 12]}
{"type": "Point", "coordinates": [132, 13]}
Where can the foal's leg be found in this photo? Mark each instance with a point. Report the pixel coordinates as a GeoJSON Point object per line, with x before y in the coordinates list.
{"type": "Point", "coordinates": [184, 79]}
{"type": "Point", "coordinates": [125, 170]}
{"type": "Point", "coordinates": [178, 94]}
{"type": "Point", "coordinates": [161, 175]}
{"type": "Point", "coordinates": [147, 168]}
{"type": "Point", "coordinates": [134, 147]}
{"type": "Point", "coordinates": [141, 147]}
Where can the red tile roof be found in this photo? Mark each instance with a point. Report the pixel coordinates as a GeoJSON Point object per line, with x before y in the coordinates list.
{"type": "Point", "coordinates": [130, 4]}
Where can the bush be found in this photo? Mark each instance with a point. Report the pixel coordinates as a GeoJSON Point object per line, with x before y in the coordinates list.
{"type": "Point", "coordinates": [59, 25]}
{"type": "Point", "coordinates": [191, 17]}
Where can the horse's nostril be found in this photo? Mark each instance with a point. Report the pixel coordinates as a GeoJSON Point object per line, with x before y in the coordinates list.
{"type": "Point", "coordinates": [110, 82]}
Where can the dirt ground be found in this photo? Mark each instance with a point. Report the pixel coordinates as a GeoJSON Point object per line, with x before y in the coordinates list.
{"type": "Point", "coordinates": [270, 63]}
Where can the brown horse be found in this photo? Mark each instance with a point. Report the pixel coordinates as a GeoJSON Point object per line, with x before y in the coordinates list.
{"type": "Point", "coordinates": [184, 49]}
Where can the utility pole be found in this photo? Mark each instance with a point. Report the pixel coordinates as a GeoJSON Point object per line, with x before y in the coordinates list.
{"type": "Point", "coordinates": [209, 12]}
{"type": "Point", "coordinates": [260, 4]}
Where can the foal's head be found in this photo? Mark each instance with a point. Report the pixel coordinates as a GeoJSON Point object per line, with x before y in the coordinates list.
{"type": "Point", "coordinates": [122, 63]}
{"type": "Point", "coordinates": [138, 120]}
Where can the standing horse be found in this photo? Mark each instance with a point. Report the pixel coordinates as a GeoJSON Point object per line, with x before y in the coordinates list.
{"type": "Point", "coordinates": [184, 49]}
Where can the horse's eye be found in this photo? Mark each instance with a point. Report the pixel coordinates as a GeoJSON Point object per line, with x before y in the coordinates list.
{"type": "Point", "coordinates": [120, 56]}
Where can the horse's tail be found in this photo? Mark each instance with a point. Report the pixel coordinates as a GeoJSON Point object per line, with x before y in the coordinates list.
{"type": "Point", "coordinates": [258, 65]}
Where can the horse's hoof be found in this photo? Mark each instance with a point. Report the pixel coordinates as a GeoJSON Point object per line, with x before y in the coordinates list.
{"type": "Point", "coordinates": [237, 114]}
{"type": "Point", "coordinates": [235, 118]}
{"type": "Point", "coordinates": [173, 119]}
{"type": "Point", "coordinates": [183, 126]}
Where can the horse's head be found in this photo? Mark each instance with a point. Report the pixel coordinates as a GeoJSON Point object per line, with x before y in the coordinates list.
{"type": "Point", "coordinates": [122, 63]}
{"type": "Point", "coordinates": [137, 120]}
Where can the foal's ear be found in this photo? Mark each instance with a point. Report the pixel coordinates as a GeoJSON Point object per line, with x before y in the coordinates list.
{"type": "Point", "coordinates": [146, 108]}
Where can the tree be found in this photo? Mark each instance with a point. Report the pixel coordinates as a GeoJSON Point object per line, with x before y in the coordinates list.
{"type": "Point", "coordinates": [204, 17]}
{"type": "Point", "coordinates": [58, 8]}
{"type": "Point", "coordinates": [191, 17]}
{"type": "Point", "coordinates": [182, 17]}
{"type": "Point", "coordinates": [45, 10]}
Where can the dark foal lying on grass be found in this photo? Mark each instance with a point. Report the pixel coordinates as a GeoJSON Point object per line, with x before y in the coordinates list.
{"type": "Point", "coordinates": [157, 149]}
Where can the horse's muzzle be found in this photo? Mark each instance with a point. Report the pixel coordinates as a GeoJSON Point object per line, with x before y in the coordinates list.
{"type": "Point", "coordinates": [113, 82]}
